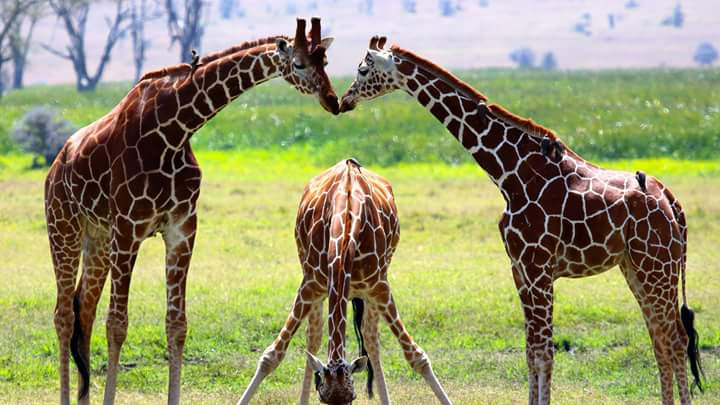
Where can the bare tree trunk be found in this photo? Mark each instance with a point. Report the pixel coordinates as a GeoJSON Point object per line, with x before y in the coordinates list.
{"type": "Point", "coordinates": [188, 33]}
{"type": "Point", "coordinates": [10, 12]}
{"type": "Point", "coordinates": [138, 16]}
{"type": "Point", "coordinates": [73, 14]}
{"type": "Point", "coordinates": [20, 47]}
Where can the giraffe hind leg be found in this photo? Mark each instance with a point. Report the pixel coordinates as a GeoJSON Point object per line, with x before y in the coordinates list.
{"type": "Point", "coordinates": [664, 326]}
{"type": "Point", "coordinates": [96, 265]}
{"type": "Point", "coordinates": [65, 236]}
{"type": "Point", "coordinates": [372, 344]}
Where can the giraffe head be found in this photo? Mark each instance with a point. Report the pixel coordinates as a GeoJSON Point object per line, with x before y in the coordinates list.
{"type": "Point", "coordinates": [334, 382]}
{"type": "Point", "coordinates": [303, 64]}
{"type": "Point", "coordinates": [377, 75]}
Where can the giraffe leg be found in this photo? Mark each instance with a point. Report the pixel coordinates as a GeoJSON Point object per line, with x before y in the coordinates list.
{"type": "Point", "coordinates": [96, 265]}
{"type": "Point", "coordinates": [536, 297]}
{"type": "Point", "coordinates": [306, 298]}
{"type": "Point", "coordinates": [65, 235]}
{"type": "Point", "coordinates": [122, 259]}
{"type": "Point", "coordinates": [664, 326]}
{"type": "Point", "coordinates": [179, 241]}
{"type": "Point", "coordinates": [415, 356]}
{"type": "Point", "coordinates": [314, 339]}
{"type": "Point", "coordinates": [679, 348]}
{"type": "Point", "coordinates": [372, 345]}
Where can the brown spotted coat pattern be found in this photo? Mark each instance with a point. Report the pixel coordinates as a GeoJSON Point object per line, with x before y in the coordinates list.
{"type": "Point", "coordinates": [132, 174]}
{"type": "Point", "coordinates": [564, 216]}
{"type": "Point", "coordinates": [346, 233]}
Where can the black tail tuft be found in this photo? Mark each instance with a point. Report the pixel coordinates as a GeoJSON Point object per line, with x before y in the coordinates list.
{"type": "Point", "coordinates": [75, 342]}
{"type": "Point", "coordinates": [358, 309]}
{"type": "Point", "coordinates": [688, 320]}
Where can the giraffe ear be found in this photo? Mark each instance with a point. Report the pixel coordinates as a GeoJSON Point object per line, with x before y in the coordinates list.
{"type": "Point", "coordinates": [314, 363]}
{"type": "Point", "coordinates": [282, 46]}
{"type": "Point", "coordinates": [358, 365]}
{"type": "Point", "coordinates": [326, 42]}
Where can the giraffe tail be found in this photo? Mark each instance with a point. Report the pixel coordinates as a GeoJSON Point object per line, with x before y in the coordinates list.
{"type": "Point", "coordinates": [688, 320]}
{"type": "Point", "coordinates": [350, 239]}
{"type": "Point", "coordinates": [687, 316]}
{"type": "Point", "coordinates": [76, 341]}
{"type": "Point", "coordinates": [358, 311]}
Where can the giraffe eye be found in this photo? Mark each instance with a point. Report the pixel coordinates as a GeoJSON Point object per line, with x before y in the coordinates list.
{"type": "Point", "coordinates": [363, 70]}
{"type": "Point", "coordinates": [298, 65]}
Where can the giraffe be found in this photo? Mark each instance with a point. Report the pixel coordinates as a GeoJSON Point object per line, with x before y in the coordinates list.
{"type": "Point", "coordinates": [564, 216]}
{"type": "Point", "coordinates": [346, 233]}
{"type": "Point", "coordinates": [132, 173]}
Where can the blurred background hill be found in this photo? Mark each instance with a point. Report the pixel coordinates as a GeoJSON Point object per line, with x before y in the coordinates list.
{"type": "Point", "coordinates": [580, 34]}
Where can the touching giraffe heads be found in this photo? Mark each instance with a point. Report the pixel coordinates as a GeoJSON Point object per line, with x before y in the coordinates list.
{"type": "Point", "coordinates": [334, 382]}
{"type": "Point", "coordinates": [302, 64]}
{"type": "Point", "coordinates": [377, 75]}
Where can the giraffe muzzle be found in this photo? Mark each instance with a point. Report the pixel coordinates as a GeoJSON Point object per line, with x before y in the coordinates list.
{"type": "Point", "coordinates": [330, 103]}
{"type": "Point", "coordinates": [346, 106]}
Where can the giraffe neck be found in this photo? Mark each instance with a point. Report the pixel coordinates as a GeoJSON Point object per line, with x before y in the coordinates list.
{"type": "Point", "coordinates": [500, 143]}
{"type": "Point", "coordinates": [176, 102]}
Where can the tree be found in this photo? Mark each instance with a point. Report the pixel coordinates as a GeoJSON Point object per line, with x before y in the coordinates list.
{"type": "Point", "coordinates": [20, 37]}
{"type": "Point", "coordinates": [366, 7]}
{"type": "Point", "coordinates": [706, 54]}
{"type": "Point", "coordinates": [138, 17]}
{"type": "Point", "coordinates": [549, 62]}
{"type": "Point", "coordinates": [43, 133]}
{"type": "Point", "coordinates": [410, 6]}
{"type": "Point", "coordinates": [523, 57]}
{"type": "Point", "coordinates": [10, 12]}
{"type": "Point", "coordinates": [73, 14]}
{"type": "Point", "coordinates": [676, 19]}
{"type": "Point", "coordinates": [188, 30]}
{"type": "Point", "coordinates": [226, 8]}
{"type": "Point", "coordinates": [447, 8]}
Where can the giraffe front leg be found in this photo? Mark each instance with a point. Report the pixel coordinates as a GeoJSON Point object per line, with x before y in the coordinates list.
{"type": "Point", "coordinates": [314, 339]}
{"type": "Point", "coordinates": [306, 298]}
{"type": "Point", "coordinates": [415, 356]}
{"type": "Point", "coordinates": [536, 297]}
{"type": "Point", "coordinates": [372, 345]}
{"type": "Point", "coordinates": [179, 242]}
{"type": "Point", "coordinates": [122, 258]}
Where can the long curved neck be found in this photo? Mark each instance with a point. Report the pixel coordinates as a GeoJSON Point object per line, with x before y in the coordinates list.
{"type": "Point", "coordinates": [498, 141]}
{"type": "Point", "coordinates": [175, 102]}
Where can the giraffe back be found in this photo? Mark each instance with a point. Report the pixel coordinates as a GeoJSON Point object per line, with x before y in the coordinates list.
{"type": "Point", "coordinates": [347, 213]}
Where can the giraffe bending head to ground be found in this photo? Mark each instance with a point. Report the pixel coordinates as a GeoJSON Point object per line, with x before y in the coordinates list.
{"type": "Point", "coordinates": [564, 217]}
{"type": "Point", "coordinates": [132, 174]}
{"type": "Point", "coordinates": [346, 233]}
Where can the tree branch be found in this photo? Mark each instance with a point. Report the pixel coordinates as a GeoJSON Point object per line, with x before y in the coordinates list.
{"type": "Point", "coordinates": [55, 51]}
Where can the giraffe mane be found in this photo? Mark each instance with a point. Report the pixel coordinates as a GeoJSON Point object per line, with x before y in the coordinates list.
{"type": "Point", "coordinates": [525, 124]}
{"type": "Point", "coordinates": [453, 80]}
{"type": "Point", "coordinates": [184, 68]}
{"type": "Point", "coordinates": [245, 45]}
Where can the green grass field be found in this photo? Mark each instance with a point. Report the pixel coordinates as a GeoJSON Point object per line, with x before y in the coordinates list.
{"type": "Point", "coordinates": [451, 276]}
{"type": "Point", "coordinates": [601, 115]}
